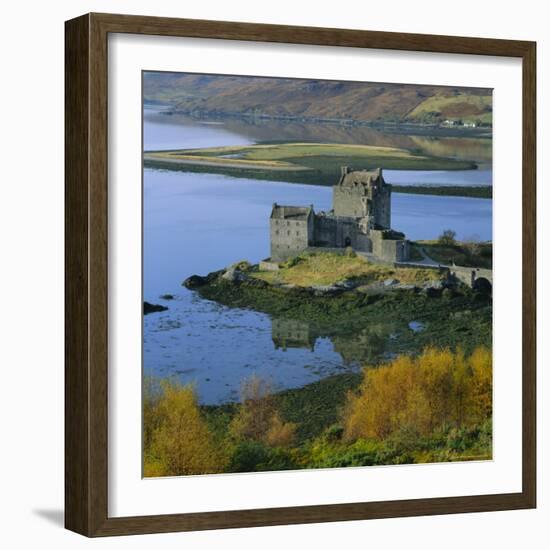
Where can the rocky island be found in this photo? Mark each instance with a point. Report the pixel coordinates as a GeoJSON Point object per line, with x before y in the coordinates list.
{"type": "Point", "coordinates": [346, 270]}
{"type": "Point", "coordinates": [336, 294]}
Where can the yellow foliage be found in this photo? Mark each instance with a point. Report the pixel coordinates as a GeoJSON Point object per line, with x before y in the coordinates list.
{"type": "Point", "coordinates": [153, 468]}
{"type": "Point", "coordinates": [258, 418]}
{"type": "Point", "coordinates": [435, 390]}
{"type": "Point", "coordinates": [180, 442]}
{"type": "Point", "coordinates": [254, 416]}
{"type": "Point", "coordinates": [280, 434]}
{"type": "Point", "coordinates": [482, 366]}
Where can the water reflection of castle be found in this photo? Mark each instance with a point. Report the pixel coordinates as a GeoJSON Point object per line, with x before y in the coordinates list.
{"type": "Point", "coordinates": [363, 345]}
{"type": "Point", "coordinates": [287, 333]}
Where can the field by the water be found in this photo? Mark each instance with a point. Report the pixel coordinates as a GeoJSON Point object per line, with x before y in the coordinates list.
{"type": "Point", "coordinates": [317, 163]}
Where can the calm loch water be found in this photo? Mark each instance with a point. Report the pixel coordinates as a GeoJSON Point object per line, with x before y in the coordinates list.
{"type": "Point", "coordinates": [197, 223]}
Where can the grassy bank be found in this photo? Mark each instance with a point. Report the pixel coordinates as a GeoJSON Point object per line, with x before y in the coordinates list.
{"type": "Point", "coordinates": [307, 270]}
{"type": "Point", "coordinates": [468, 254]}
{"type": "Point", "coordinates": [313, 163]}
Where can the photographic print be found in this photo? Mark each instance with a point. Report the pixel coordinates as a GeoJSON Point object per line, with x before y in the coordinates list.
{"type": "Point", "coordinates": [317, 274]}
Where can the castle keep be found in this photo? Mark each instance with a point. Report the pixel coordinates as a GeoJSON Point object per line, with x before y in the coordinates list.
{"type": "Point", "coordinates": [360, 219]}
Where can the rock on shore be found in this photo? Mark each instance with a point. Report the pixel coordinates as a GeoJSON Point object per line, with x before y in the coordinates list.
{"type": "Point", "coordinates": [152, 308]}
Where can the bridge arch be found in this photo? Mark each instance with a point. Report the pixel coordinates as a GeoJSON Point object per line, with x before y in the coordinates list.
{"type": "Point", "coordinates": [474, 277]}
{"type": "Point", "coordinates": [482, 284]}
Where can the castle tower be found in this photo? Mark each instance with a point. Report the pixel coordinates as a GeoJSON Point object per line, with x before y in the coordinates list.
{"type": "Point", "coordinates": [291, 230]}
{"type": "Point", "coordinates": [363, 194]}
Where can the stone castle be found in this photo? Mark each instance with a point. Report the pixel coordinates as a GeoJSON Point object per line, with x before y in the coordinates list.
{"type": "Point", "coordinates": [360, 219]}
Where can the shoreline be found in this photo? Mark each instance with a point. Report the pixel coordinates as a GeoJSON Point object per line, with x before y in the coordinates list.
{"type": "Point", "coordinates": [398, 127]}
{"type": "Point", "coordinates": [313, 164]}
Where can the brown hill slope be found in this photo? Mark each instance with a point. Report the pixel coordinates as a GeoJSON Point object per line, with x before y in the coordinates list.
{"type": "Point", "coordinates": [316, 99]}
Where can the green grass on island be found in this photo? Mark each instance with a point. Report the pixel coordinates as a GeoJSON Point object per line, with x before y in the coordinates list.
{"type": "Point", "coordinates": [311, 269]}
{"type": "Point", "coordinates": [450, 316]}
{"type": "Point", "coordinates": [310, 163]}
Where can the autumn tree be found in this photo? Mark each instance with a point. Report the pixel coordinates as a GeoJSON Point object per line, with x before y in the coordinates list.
{"type": "Point", "coordinates": [258, 418]}
{"type": "Point", "coordinates": [178, 441]}
{"type": "Point", "coordinates": [437, 390]}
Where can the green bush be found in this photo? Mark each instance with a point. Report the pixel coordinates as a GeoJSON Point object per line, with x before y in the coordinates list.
{"type": "Point", "coordinates": [291, 262]}
{"type": "Point", "coordinates": [363, 452]}
{"type": "Point", "coordinates": [478, 437]}
{"type": "Point", "coordinates": [254, 456]}
{"type": "Point", "coordinates": [334, 433]}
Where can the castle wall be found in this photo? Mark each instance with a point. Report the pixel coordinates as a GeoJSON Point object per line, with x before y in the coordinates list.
{"type": "Point", "coordinates": [325, 231]}
{"type": "Point", "coordinates": [363, 193]}
{"type": "Point", "coordinates": [336, 232]}
{"type": "Point", "coordinates": [390, 250]}
{"type": "Point", "coordinates": [290, 237]}
{"type": "Point", "coordinates": [382, 207]}
{"type": "Point", "coordinates": [363, 243]}
{"type": "Point", "coordinates": [346, 232]}
{"type": "Point", "coordinates": [346, 201]}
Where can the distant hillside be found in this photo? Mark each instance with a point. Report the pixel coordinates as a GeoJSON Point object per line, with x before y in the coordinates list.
{"type": "Point", "coordinates": [210, 95]}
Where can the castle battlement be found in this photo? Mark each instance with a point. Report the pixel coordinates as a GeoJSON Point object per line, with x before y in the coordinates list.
{"type": "Point", "coordinates": [360, 219]}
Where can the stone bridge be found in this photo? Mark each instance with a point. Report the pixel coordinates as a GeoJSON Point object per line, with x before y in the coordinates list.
{"type": "Point", "coordinates": [472, 276]}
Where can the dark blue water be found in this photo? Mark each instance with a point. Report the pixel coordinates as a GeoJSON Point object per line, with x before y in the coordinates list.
{"type": "Point", "coordinates": [197, 223]}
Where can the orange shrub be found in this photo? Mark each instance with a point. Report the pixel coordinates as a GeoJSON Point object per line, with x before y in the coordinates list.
{"type": "Point", "coordinates": [434, 391]}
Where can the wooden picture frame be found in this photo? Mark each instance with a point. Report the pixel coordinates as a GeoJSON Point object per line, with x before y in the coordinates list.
{"type": "Point", "coordinates": [86, 219]}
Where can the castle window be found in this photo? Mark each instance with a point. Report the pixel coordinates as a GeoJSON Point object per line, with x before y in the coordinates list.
{"type": "Point", "coordinates": [276, 232]}
{"type": "Point", "coordinates": [297, 233]}
{"type": "Point", "coordinates": [288, 232]}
